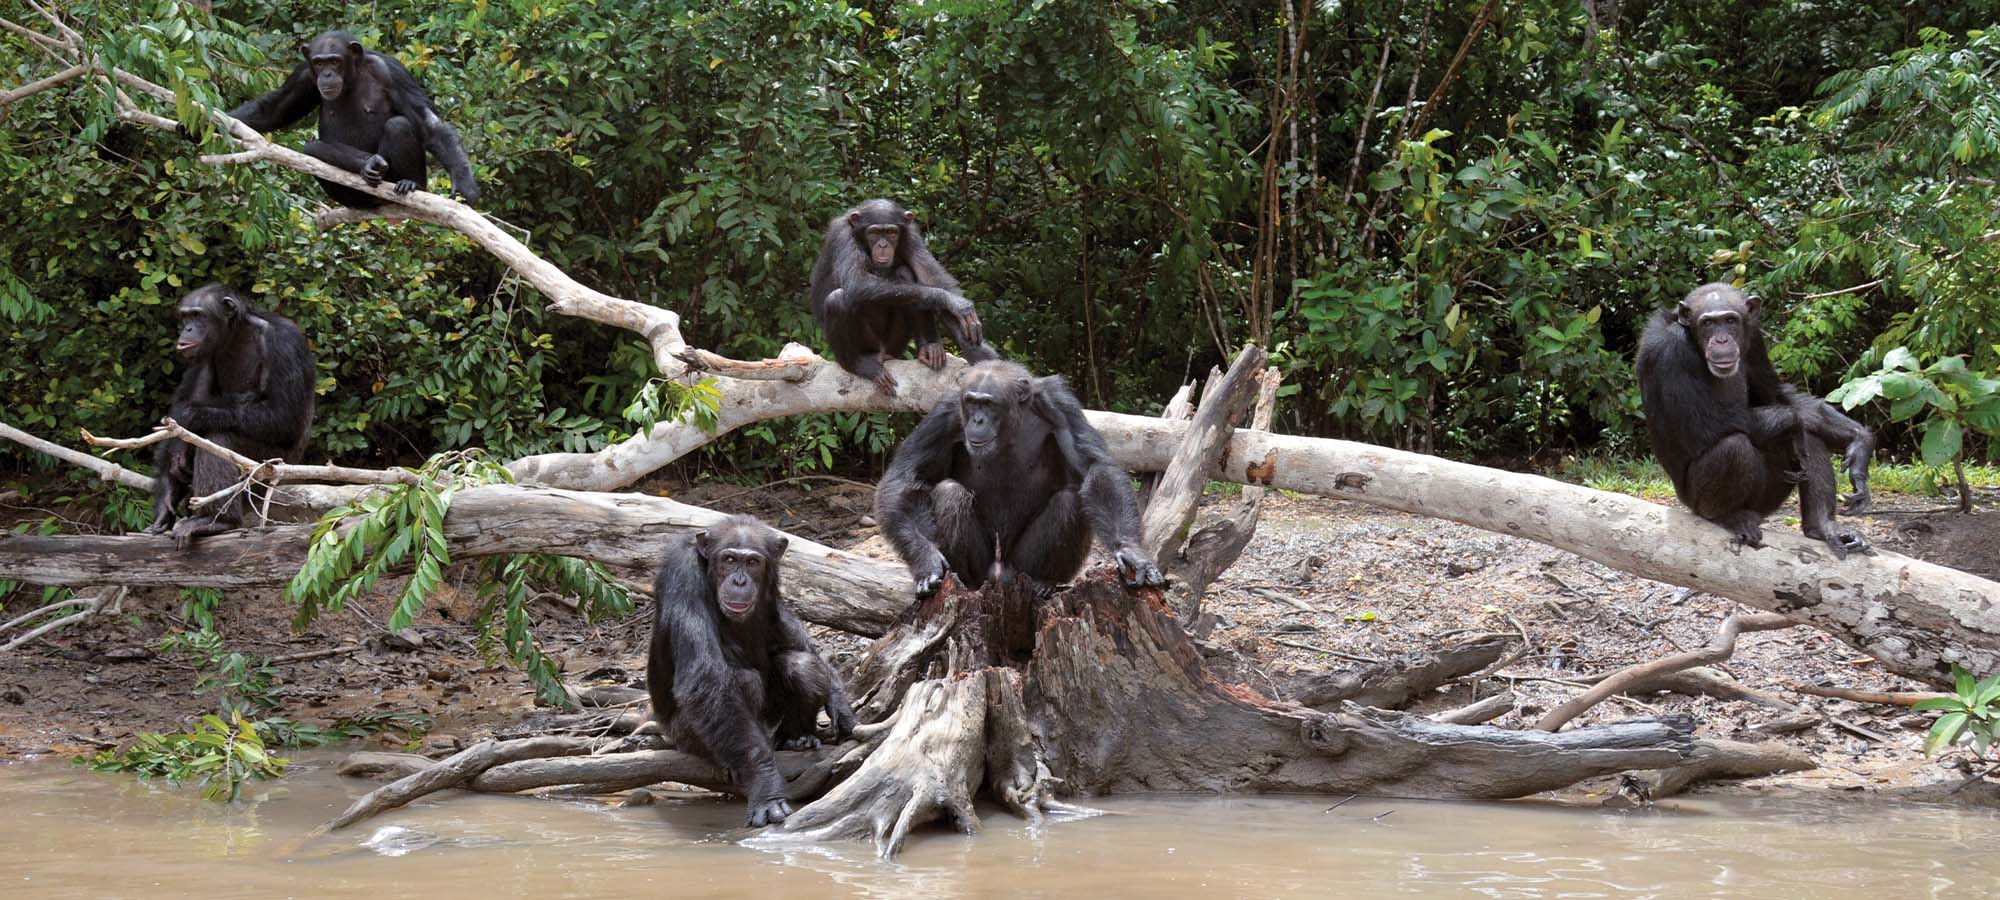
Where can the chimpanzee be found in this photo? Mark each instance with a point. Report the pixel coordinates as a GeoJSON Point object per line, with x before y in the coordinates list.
{"type": "Point", "coordinates": [876, 286]}
{"type": "Point", "coordinates": [374, 120]}
{"type": "Point", "coordinates": [1007, 477]}
{"type": "Point", "coordinates": [1733, 438]}
{"type": "Point", "coordinates": [248, 387]}
{"type": "Point", "coordinates": [729, 660]}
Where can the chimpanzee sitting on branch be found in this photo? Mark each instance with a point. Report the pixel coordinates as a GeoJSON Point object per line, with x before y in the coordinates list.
{"type": "Point", "coordinates": [876, 286]}
{"type": "Point", "coordinates": [1006, 477]}
{"type": "Point", "coordinates": [729, 661]}
{"type": "Point", "coordinates": [1734, 438]}
{"type": "Point", "coordinates": [374, 120]}
{"type": "Point", "coordinates": [248, 387]}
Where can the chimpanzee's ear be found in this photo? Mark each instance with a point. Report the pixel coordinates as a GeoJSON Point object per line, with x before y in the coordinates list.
{"type": "Point", "coordinates": [306, 50]}
{"type": "Point", "coordinates": [854, 218]}
{"type": "Point", "coordinates": [232, 305]}
{"type": "Point", "coordinates": [909, 216]}
{"type": "Point", "coordinates": [1752, 304]}
{"type": "Point", "coordinates": [1684, 314]}
{"type": "Point", "coordinates": [704, 544]}
{"type": "Point", "coordinates": [775, 548]}
{"type": "Point", "coordinates": [355, 49]}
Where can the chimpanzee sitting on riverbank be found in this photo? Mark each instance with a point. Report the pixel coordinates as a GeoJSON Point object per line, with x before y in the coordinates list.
{"type": "Point", "coordinates": [729, 661]}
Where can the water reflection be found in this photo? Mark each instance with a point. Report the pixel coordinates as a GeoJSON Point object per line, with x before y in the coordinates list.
{"type": "Point", "coordinates": [71, 833]}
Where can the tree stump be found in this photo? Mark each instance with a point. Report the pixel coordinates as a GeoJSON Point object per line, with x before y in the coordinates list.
{"type": "Point", "coordinates": [1098, 690]}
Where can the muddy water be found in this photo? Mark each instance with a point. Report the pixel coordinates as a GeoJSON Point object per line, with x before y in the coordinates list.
{"type": "Point", "coordinates": [65, 832]}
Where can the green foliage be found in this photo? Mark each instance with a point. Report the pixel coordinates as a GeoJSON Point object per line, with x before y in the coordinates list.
{"type": "Point", "coordinates": [221, 756]}
{"type": "Point", "coordinates": [241, 683]}
{"type": "Point", "coordinates": [668, 400]}
{"type": "Point", "coordinates": [1952, 399]}
{"type": "Point", "coordinates": [281, 732]}
{"type": "Point", "coordinates": [1101, 177]}
{"type": "Point", "coordinates": [1971, 713]}
{"type": "Point", "coordinates": [353, 546]}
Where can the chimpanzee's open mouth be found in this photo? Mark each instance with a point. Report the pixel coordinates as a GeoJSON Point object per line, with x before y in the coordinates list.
{"type": "Point", "coordinates": [185, 346]}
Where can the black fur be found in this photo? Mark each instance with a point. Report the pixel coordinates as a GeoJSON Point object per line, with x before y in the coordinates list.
{"type": "Point", "coordinates": [719, 684]}
{"type": "Point", "coordinates": [1735, 443]}
{"type": "Point", "coordinates": [1009, 463]}
{"type": "Point", "coordinates": [374, 120]}
{"type": "Point", "coordinates": [248, 387]}
{"type": "Point", "coordinates": [870, 311]}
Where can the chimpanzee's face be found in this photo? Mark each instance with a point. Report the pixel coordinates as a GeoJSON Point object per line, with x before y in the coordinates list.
{"type": "Point", "coordinates": [1719, 321]}
{"type": "Point", "coordinates": [333, 58]}
{"type": "Point", "coordinates": [987, 402]}
{"type": "Point", "coordinates": [206, 316]}
{"type": "Point", "coordinates": [741, 565]}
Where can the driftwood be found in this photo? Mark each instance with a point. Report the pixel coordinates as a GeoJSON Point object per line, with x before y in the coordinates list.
{"type": "Point", "coordinates": [624, 531]}
{"type": "Point", "coordinates": [1479, 711]}
{"type": "Point", "coordinates": [1882, 698]}
{"type": "Point", "coordinates": [1396, 682]}
{"type": "Point", "coordinates": [452, 772]}
{"type": "Point", "coordinates": [1716, 759]}
{"type": "Point", "coordinates": [1621, 681]}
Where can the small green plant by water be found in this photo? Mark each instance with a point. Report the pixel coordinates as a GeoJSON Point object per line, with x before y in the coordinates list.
{"type": "Point", "coordinates": [220, 756]}
{"type": "Point", "coordinates": [1971, 713]}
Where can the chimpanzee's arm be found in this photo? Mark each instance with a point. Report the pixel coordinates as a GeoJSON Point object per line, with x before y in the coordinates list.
{"type": "Point", "coordinates": [408, 98]}
{"type": "Point", "coordinates": [283, 107]}
{"type": "Point", "coordinates": [902, 498]}
{"type": "Point", "coordinates": [1106, 488]}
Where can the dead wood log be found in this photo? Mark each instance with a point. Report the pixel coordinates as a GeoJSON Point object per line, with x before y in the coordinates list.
{"type": "Point", "coordinates": [623, 531]}
{"type": "Point", "coordinates": [1702, 681]}
{"type": "Point", "coordinates": [1715, 758]}
{"type": "Point", "coordinates": [1479, 711]}
{"type": "Point", "coordinates": [1882, 698]}
{"type": "Point", "coordinates": [1621, 681]}
{"type": "Point", "coordinates": [1395, 682]}
{"type": "Point", "coordinates": [1171, 509]}
{"type": "Point", "coordinates": [453, 771]}
{"type": "Point", "coordinates": [1214, 547]}
{"type": "Point", "coordinates": [511, 767]}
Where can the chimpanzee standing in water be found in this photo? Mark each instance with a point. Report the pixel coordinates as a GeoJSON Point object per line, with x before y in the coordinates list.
{"type": "Point", "coordinates": [1007, 477]}
{"type": "Point", "coordinates": [1734, 438]}
{"type": "Point", "coordinates": [374, 120]}
{"type": "Point", "coordinates": [729, 660]}
{"type": "Point", "coordinates": [876, 286]}
{"type": "Point", "coordinates": [248, 387]}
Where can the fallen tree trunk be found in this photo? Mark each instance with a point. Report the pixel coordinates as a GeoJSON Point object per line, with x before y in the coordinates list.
{"type": "Point", "coordinates": [624, 531]}
{"type": "Point", "coordinates": [1913, 617]}
{"type": "Point", "coordinates": [1397, 682]}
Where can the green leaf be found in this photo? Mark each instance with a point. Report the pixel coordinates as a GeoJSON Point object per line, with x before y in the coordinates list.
{"type": "Point", "coordinates": [1944, 732]}
{"type": "Point", "coordinates": [1900, 358]}
{"type": "Point", "coordinates": [1941, 442]}
{"type": "Point", "coordinates": [1939, 703]}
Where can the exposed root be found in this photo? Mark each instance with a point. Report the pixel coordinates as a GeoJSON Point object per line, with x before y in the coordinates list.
{"type": "Point", "coordinates": [1618, 682]}
{"type": "Point", "coordinates": [929, 766]}
{"type": "Point", "coordinates": [1715, 759]}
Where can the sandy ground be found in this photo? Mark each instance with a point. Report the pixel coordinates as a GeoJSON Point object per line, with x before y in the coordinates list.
{"type": "Point", "coordinates": [1322, 582]}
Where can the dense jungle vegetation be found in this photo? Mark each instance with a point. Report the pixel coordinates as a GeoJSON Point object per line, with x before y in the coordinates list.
{"type": "Point", "coordinates": [1448, 219]}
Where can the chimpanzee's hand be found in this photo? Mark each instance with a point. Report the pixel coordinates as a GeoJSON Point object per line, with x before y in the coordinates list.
{"type": "Point", "coordinates": [842, 716]}
{"type": "Point", "coordinates": [932, 355]}
{"type": "Point", "coordinates": [968, 321]}
{"type": "Point", "coordinates": [373, 170]}
{"type": "Point", "coordinates": [469, 191]}
{"type": "Point", "coordinates": [930, 577]}
{"type": "Point", "coordinates": [1138, 570]}
{"type": "Point", "coordinates": [405, 186]}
